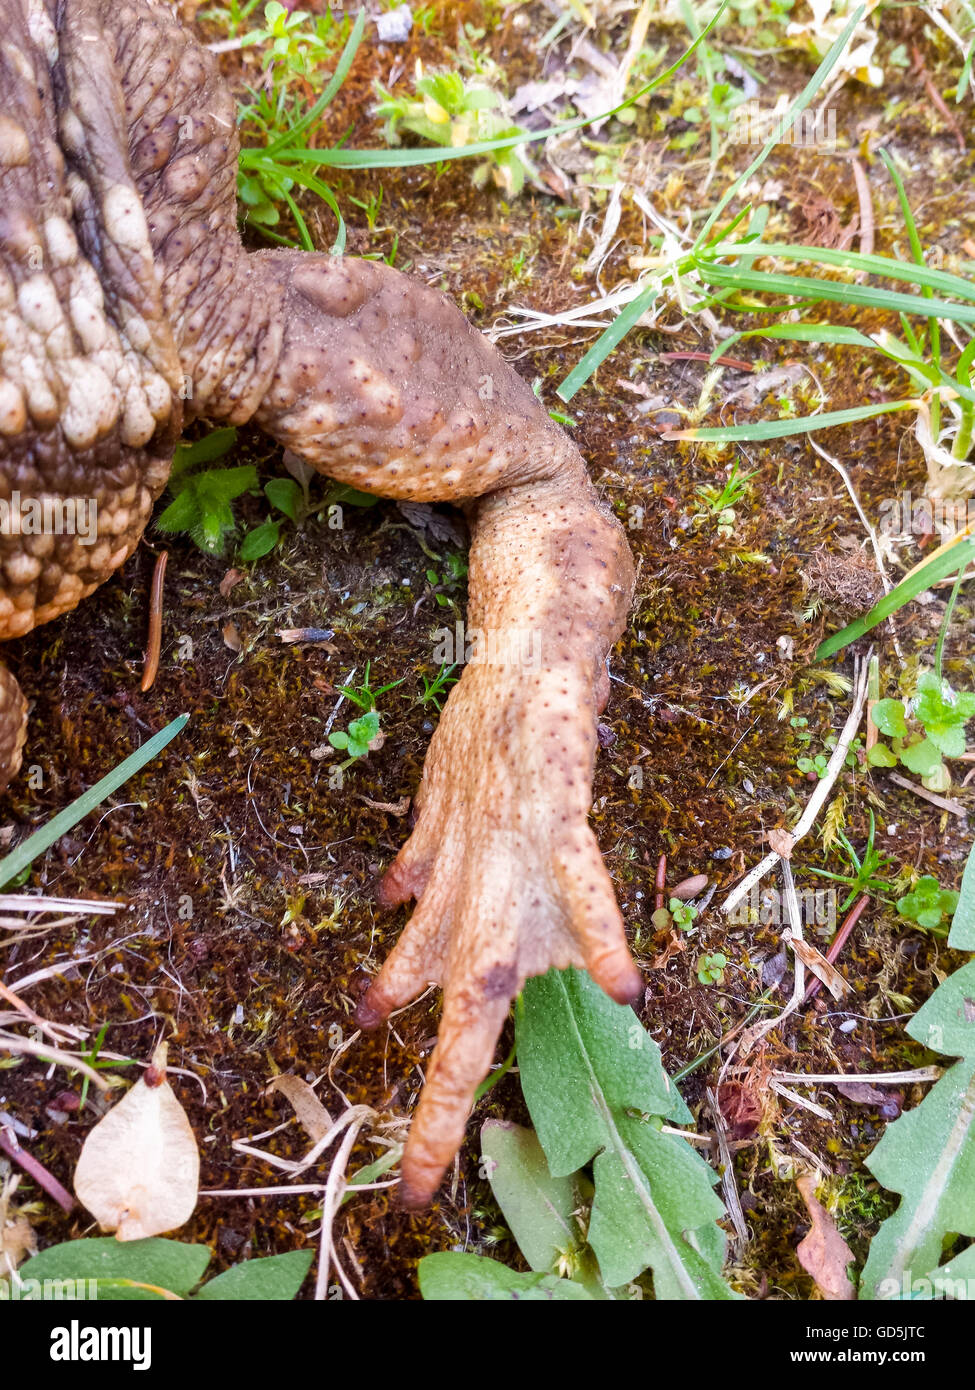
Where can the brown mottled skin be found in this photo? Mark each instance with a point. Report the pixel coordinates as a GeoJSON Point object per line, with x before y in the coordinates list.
{"type": "Point", "coordinates": [127, 308]}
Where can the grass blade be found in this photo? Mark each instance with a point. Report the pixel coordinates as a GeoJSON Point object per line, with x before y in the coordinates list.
{"type": "Point", "coordinates": [18, 860]}
{"type": "Point", "coordinates": [947, 561]}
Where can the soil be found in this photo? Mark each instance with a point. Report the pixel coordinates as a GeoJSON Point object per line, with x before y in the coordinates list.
{"type": "Point", "coordinates": [248, 924]}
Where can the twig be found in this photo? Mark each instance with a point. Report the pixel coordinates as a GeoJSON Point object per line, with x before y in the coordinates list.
{"type": "Point", "coordinates": [839, 941]}
{"type": "Point", "coordinates": [10, 1043]}
{"type": "Point", "coordinates": [878, 1078]}
{"type": "Point", "coordinates": [751, 1036]}
{"type": "Point", "coordinates": [35, 1170]}
{"type": "Point", "coordinates": [788, 840]}
{"type": "Point", "coordinates": [154, 642]}
{"type": "Point", "coordinates": [944, 802]}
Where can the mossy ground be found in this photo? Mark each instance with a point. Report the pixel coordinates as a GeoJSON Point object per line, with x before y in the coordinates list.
{"type": "Point", "coordinates": [227, 824]}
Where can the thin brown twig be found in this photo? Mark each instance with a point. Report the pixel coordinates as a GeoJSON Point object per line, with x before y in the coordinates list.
{"type": "Point", "coordinates": [36, 1170]}
{"type": "Point", "coordinates": [838, 942]}
{"type": "Point", "coordinates": [154, 644]}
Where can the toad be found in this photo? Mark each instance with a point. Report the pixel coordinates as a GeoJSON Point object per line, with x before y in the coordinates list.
{"type": "Point", "coordinates": [129, 308]}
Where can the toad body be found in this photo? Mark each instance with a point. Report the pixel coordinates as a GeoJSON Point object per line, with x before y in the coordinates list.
{"type": "Point", "coordinates": [128, 307]}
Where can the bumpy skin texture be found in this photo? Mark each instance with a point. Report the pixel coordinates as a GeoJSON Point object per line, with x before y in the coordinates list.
{"type": "Point", "coordinates": [128, 306]}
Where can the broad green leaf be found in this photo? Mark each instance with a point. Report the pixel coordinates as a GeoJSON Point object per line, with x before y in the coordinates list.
{"type": "Point", "coordinates": [165, 1264]}
{"type": "Point", "coordinates": [537, 1207]}
{"type": "Point", "coordinates": [274, 1279]}
{"type": "Point", "coordinates": [579, 1055]}
{"type": "Point", "coordinates": [888, 715]}
{"type": "Point", "coordinates": [286, 495]}
{"type": "Point", "coordinates": [962, 934]}
{"type": "Point", "coordinates": [261, 541]}
{"type": "Point", "coordinates": [590, 1074]}
{"type": "Point", "coordinates": [922, 758]}
{"type": "Point", "coordinates": [450, 1277]}
{"type": "Point", "coordinates": [928, 1156]}
{"type": "Point", "coordinates": [881, 756]}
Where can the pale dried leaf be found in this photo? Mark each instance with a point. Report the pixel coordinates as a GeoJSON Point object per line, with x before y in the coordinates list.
{"type": "Point", "coordinates": [139, 1169]}
{"type": "Point", "coordinates": [310, 1112]}
{"type": "Point", "coordinates": [824, 1253]}
{"type": "Point", "coordinates": [816, 962]}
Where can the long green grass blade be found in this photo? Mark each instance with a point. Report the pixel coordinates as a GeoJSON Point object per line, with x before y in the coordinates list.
{"type": "Point", "coordinates": [868, 296]}
{"type": "Point", "coordinates": [782, 429]}
{"type": "Point", "coordinates": [937, 568]}
{"type": "Point", "coordinates": [939, 280]}
{"type": "Point", "coordinates": [607, 341]}
{"type": "Point", "coordinates": [18, 860]}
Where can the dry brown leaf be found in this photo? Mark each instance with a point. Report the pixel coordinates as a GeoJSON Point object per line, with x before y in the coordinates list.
{"type": "Point", "coordinates": [816, 962]}
{"type": "Point", "coordinates": [824, 1253]}
{"type": "Point", "coordinates": [310, 1112]}
{"type": "Point", "coordinates": [139, 1169]}
{"type": "Point", "coordinates": [862, 1093]}
{"type": "Point", "coordinates": [395, 808]}
{"type": "Point", "coordinates": [230, 580]}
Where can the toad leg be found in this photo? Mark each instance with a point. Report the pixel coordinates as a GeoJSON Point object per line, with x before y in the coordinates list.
{"type": "Point", "coordinates": [382, 384]}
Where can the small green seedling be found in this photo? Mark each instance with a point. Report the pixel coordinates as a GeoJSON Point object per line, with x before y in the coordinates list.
{"type": "Point", "coordinates": [720, 505]}
{"type": "Point", "coordinates": [446, 111]}
{"type": "Point", "coordinates": [928, 904]}
{"type": "Point", "coordinates": [201, 506]}
{"type": "Point", "coordinates": [684, 914]}
{"type": "Point", "coordinates": [924, 730]}
{"type": "Point", "coordinates": [436, 689]}
{"type": "Point", "coordinates": [362, 734]}
{"type": "Point", "coordinates": [865, 875]}
{"type": "Point", "coordinates": [710, 968]}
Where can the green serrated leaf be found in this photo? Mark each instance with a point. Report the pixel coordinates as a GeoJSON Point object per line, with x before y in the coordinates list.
{"type": "Point", "coordinates": [928, 1156]}
{"type": "Point", "coordinates": [962, 934]}
{"type": "Point", "coordinates": [586, 1065]}
{"type": "Point", "coordinates": [452, 1276]}
{"type": "Point", "coordinates": [166, 1264]}
{"type": "Point", "coordinates": [275, 1279]}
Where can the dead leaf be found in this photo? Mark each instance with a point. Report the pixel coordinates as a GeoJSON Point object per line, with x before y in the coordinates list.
{"type": "Point", "coordinates": [824, 1253]}
{"type": "Point", "coordinates": [17, 1239]}
{"type": "Point", "coordinates": [395, 808]}
{"type": "Point", "coordinates": [781, 842]}
{"type": "Point", "coordinates": [816, 962]}
{"type": "Point", "coordinates": [862, 1093]}
{"type": "Point", "coordinates": [309, 1111]}
{"type": "Point", "coordinates": [439, 525]}
{"type": "Point", "coordinates": [230, 580]}
{"type": "Point", "coordinates": [139, 1169]}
